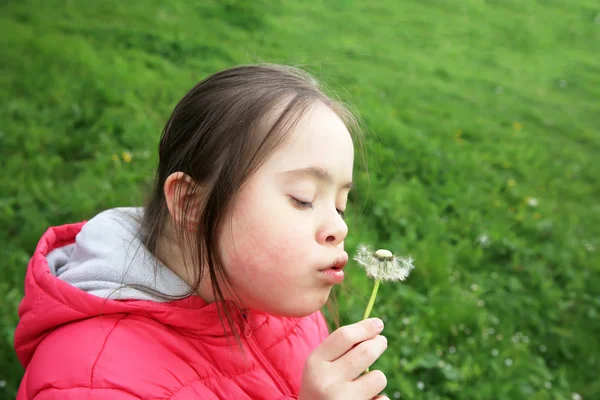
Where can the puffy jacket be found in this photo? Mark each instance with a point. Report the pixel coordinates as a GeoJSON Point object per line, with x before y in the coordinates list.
{"type": "Point", "coordinates": [75, 344]}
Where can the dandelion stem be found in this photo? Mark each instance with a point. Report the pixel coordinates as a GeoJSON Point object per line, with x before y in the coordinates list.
{"type": "Point", "coordinates": [370, 305]}
{"type": "Point", "coordinates": [372, 299]}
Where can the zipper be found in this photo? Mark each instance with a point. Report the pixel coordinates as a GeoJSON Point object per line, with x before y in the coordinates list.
{"type": "Point", "coordinates": [262, 359]}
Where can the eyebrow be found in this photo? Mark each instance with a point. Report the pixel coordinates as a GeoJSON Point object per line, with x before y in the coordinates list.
{"type": "Point", "coordinates": [319, 173]}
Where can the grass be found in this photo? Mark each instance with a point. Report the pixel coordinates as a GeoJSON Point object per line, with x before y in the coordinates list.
{"type": "Point", "coordinates": [474, 108]}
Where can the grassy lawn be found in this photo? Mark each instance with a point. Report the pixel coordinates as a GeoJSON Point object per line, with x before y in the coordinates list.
{"type": "Point", "coordinates": [483, 151]}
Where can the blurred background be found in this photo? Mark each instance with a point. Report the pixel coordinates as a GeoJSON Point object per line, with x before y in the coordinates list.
{"type": "Point", "coordinates": [483, 148]}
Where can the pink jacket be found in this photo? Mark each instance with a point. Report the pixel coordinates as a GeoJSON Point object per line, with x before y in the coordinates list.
{"type": "Point", "coordinates": [75, 345]}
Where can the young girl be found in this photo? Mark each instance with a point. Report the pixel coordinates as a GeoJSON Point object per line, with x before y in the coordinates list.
{"type": "Point", "coordinates": [213, 289]}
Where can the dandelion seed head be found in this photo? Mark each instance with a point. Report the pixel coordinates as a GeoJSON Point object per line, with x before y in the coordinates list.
{"type": "Point", "coordinates": [383, 265]}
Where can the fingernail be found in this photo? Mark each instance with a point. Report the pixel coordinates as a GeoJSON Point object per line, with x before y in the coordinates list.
{"type": "Point", "coordinates": [378, 324]}
{"type": "Point", "coordinates": [384, 339]}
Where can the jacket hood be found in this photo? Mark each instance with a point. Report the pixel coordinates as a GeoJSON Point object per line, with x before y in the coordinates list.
{"type": "Point", "coordinates": [87, 269]}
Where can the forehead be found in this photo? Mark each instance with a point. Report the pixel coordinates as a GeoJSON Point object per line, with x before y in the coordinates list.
{"type": "Point", "coordinates": [319, 138]}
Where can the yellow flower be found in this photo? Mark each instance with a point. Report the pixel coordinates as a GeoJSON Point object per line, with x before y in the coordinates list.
{"type": "Point", "coordinates": [506, 164]}
{"type": "Point", "coordinates": [115, 157]}
{"type": "Point", "coordinates": [126, 156]}
{"type": "Point", "coordinates": [511, 183]}
{"type": "Point", "coordinates": [517, 126]}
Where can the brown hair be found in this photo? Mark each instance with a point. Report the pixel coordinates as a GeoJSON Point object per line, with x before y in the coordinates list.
{"type": "Point", "coordinates": [218, 135]}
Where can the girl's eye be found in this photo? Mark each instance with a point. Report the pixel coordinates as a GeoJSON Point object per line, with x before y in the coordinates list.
{"type": "Point", "coordinates": [301, 204]}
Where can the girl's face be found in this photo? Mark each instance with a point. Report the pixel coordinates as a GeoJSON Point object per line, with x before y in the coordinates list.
{"type": "Point", "coordinates": [286, 228]}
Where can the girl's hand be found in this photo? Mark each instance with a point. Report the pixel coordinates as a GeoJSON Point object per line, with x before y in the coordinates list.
{"type": "Point", "coordinates": [333, 369]}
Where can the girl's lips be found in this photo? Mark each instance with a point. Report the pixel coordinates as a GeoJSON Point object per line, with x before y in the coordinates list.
{"type": "Point", "coordinates": [335, 276]}
{"type": "Point", "coordinates": [335, 273]}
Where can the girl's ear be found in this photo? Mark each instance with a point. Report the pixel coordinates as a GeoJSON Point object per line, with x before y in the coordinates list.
{"type": "Point", "coordinates": [184, 200]}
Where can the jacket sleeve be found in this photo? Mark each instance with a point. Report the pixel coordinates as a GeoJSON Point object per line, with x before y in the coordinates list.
{"type": "Point", "coordinates": [195, 391]}
{"type": "Point", "coordinates": [84, 393]}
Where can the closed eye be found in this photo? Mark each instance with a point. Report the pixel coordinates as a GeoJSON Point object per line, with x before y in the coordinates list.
{"type": "Point", "coordinates": [303, 205]}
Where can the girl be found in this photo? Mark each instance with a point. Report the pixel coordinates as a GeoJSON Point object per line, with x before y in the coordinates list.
{"type": "Point", "coordinates": [242, 237]}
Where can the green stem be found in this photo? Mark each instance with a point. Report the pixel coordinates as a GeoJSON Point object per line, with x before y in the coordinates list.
{"type": "Point", "coordinates": [370, 305]}
{"type": "Point", "coordinates": [372, 299]}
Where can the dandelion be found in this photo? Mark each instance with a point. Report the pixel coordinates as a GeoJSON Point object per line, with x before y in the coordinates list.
{"type": "Point", "coordinates": [126, 156]}
{"type": "Point", "coordinates": [517, 126]}
{"type": "Point", "coordinates": [506, 165]}
{"type": "Point", "coordinates": [382, 265]}
{"type": "Point", "coordinates": [532, 202]}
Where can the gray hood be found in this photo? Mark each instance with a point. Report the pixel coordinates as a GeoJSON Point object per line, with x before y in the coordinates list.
{"type": "Point", "coordinates": [108, 255]}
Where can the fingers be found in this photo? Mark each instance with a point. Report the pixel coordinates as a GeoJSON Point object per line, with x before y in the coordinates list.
{"type": "Point", "coordinates": [354, 362]}
{"type": "Point", "coordinates": [343, 339]}
{"type": "Point", "coordinates": [369, 385]}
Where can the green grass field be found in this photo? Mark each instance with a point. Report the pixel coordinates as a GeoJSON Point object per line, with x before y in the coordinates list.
{"type": "Point", "coordinates": [483, 151]}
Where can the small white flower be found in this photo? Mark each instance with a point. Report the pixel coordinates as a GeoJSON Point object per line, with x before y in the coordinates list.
{"type": "Point", "coordinates": [483, 240]}
{"type": "Point", "coordinates": [2, 383]}
{"type": "Point", "coordinates": [543, 348]}
{"type": "Point", "coordinates": [532, 202]}
{"type": "Point", "coordinates": [480, 303]}
{"type": "Point", "coordinates": [420, 385]}
{"type": "Point", "coordinates": [441, 364]}
{"type": "Point", "coordinates": [508, 362]}
{"type": "Point", "coordinates": [405, 321]}
{"type": "Point", "coordinates": [499, 337]}
{"type": "Point", "coordinates": [525, 339]}
{"type": "Point", "coordinates": [548, 385]}
{"type": "Point", "coordinates": [383, 265]}
{"type": "Point", "coordinates": [495, 353]}
{"type": "Point", "coordinates": [474, 287]}
{"type": "Point", "coordinates": [576, 396]}
{"type": "Point", "coordinates": [416, 339]}
{"type": "Point", "coordinates": [397, 395]}
{"type": "Point", "coordinates": [452, 349]}
{"type": "Point", "coordinates": [494, 275]}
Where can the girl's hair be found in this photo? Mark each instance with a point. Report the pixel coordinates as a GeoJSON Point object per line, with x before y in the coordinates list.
{"type": "Point", "coordinates": [219, 134]}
